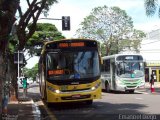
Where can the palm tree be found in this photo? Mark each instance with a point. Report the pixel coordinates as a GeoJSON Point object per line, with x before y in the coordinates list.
{"type": "Point", "coordinates": [151, 7]}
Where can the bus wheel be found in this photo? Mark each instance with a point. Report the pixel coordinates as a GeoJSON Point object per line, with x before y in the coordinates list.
{"type": "Point", "coordinates": [89, 102]}
{"type": "Point", "coordinates": [107, 87]}
{"type": "Point", "coordinates": [131, 91]}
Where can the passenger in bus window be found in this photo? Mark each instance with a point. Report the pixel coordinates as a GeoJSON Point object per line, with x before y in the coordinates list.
{"type": "Point", "coordinates": [61, 62]}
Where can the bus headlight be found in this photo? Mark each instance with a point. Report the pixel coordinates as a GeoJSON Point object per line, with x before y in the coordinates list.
{"type": "Point", "coordinates": [57, 91]}
{"type": "Point", "coordinates": [119, 82]}
{"type": "Point", "coordinates": [93, 88]}
{"type": "Point", "coordinates": [53, 90]}
{"type": "Point", "coordinates": [96, 86]}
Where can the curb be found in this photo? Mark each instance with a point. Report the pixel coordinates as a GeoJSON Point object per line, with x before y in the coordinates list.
{"type": "Point", "coordinates": [35, 110]}
{"type": "Point", "coordinates": [156, 85]}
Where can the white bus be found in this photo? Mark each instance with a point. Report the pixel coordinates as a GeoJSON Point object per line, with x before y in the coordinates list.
{"type": "Point", "coordinates": [122, 72]}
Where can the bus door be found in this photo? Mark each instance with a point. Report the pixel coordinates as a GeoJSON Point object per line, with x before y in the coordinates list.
{"type": "Point", "coordinates": [113, 67]}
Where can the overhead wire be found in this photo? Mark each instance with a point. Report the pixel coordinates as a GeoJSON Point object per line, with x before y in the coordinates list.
{"type": "Point", "coordinates": [151, 42]}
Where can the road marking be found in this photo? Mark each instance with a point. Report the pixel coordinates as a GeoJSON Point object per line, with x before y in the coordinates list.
{"type": "Point", "coordinates": [35, 110]}
{"type": "Point", "coordinates": [50, 114]}
{"type": "Point", "coordinates": [139, 98]}
{"type": "Point", "coordinates": [37, 113]}
{"type": "Point", "coordinates": [142, 92]}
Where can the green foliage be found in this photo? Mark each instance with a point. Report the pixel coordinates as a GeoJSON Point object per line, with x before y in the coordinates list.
{"type": "Point", "coordinates": [103, 50]}
{"type": "Point", "coordinates": [47, 6]}
{"type": "Point", "coordinates": [112, 26]}
{"type": "Point", "coordinates": [44, 31]}
{"type": "Point", "coordinates": [13, 41]}
{"type": "Point", "coordinates": [151, 7]}
{"type": "Point", "coordinates": [31, 73]}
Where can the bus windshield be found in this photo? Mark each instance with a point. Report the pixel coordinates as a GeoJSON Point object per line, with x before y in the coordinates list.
{"type": "Point", "coordinates": [72, 65]}
{"type": "Point", "coordinates": [130, 69]}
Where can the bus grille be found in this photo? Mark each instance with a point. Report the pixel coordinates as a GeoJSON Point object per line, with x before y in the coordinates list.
{"type": "Point", "coordinates": [75, 90]}
{"type": "Point", "coordinates": [131, 86]}
{"type": "Point", "coordinates": [131, 83]}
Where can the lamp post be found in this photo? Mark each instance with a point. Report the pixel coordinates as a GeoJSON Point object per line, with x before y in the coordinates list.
{"type": "Point", "coordinates": [18, 59]}
{"type": "Point", "coordinates": [18, 72]}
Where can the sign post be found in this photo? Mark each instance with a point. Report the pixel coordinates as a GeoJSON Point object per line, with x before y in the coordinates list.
{"type": "Point", "coordinates": [18, 59]}
{"type": "Point", "coordinates": [18, 64]}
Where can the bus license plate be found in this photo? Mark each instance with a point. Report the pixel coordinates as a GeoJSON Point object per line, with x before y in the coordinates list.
{"type": "Point", "coordinates": [76, 96]}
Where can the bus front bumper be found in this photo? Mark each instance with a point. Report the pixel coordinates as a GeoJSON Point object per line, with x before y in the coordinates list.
{"type": "Point", "coordinates": [73, 96]}
{"type": "Point", "coordinates": [130, 87]}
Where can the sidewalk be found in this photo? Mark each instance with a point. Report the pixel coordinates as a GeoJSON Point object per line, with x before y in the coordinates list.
{"type": "Point", "coordinates": [23, 109]}
{"type": "Point", "coordinates": [156, 85]}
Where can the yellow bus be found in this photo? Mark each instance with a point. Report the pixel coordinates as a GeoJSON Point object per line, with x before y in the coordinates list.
{"type": "Point", "coordinates": [69, 70]}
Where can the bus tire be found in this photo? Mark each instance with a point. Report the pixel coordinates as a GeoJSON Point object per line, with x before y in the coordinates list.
{"type": "Point", "coordinates": [107, 89]}
{"type": "Point", "coordinates": [89, 102]}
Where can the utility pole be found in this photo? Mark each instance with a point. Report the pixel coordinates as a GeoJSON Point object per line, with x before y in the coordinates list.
{"type": "Point", "coordinates": [18, 71]}
{"type": "Point", "coordinates": [18, 59]}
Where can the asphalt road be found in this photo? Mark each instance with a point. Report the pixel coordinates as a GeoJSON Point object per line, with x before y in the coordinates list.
{"type": "Point", "coordinates": [142, 105]}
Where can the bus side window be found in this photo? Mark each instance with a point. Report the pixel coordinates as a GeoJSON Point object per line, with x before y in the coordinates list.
{"type": "Point", "coordinates": [118, 68]}
{"type": "Point", "coordinates": [102, 67]}
{"type": "Point", "coordinates": [106, 66]}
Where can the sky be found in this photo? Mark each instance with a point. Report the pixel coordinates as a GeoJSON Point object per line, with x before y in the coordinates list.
{"type": "Point", "coordinates": [79, 9]}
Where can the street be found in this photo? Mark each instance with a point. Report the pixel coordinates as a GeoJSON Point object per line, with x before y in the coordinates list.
{"type": "Point", "coordinates": [113, 106]}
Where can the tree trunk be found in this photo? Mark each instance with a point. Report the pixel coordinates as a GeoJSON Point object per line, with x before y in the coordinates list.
{"type": "Point", "coordinates": [7, 19]}
{"type": "Point", "coordinates": [2, 78]}
{"type": "Point", "coordinates": [12, 71]}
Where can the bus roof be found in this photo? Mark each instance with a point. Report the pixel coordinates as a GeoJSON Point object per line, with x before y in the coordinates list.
{"type": "Point", "coordinates": [68, 40]}
{"type": "Point", "coordinates": [60, 40]}
{"type": "Point", "coordinates": [116, 55]}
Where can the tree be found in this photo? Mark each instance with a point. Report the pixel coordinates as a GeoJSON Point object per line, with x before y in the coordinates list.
{"type": "Point", "coordinates": [43, 32]}
{"type": "Point", "coordinates": [151, 7]}
{"type": "Point", "coordinates": [31, 73]}
{"type": "Point", "coordinates": [26, 24]}
{"type": "Point", "coordinates": [7, 18]}
{"type": "Point", "coordinates": [30, 17]}
{"type": "Point", "coordinates": [112, 26]}
{"type": "Point", "coordinates": [8, 10]}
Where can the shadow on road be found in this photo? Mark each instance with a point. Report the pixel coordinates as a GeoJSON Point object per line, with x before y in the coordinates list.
{"type": "Point", "coordinates": [97, 111]}
{"type": "Point", "coordinates": [121, 92]}
{"type": "Point", "coordinates": [137, 91]}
